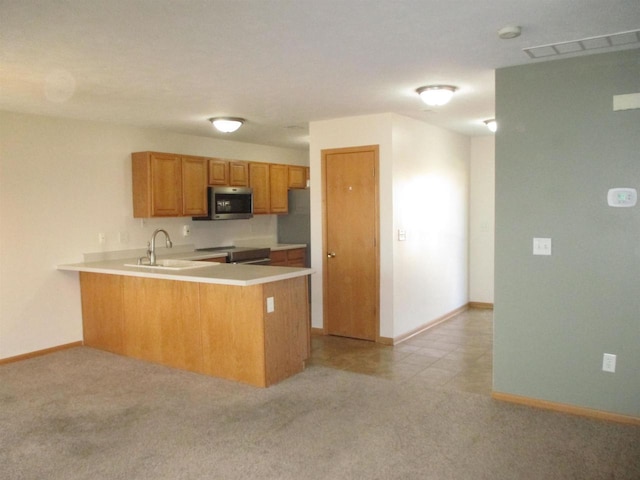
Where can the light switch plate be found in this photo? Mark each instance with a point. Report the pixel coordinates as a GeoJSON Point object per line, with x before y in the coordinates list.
{"type": "Point", "coordinates": [542, 246]}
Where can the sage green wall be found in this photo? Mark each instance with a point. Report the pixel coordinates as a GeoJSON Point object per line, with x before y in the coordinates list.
{"type": "Point", "coordinates": [559, 149]}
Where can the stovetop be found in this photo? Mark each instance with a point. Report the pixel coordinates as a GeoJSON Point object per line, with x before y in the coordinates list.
{"type": "Point", "coordinates": [239, 253]}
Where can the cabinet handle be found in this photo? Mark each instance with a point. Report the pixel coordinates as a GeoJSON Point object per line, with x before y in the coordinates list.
{"type": "Point", "coordinates": [331, 254]}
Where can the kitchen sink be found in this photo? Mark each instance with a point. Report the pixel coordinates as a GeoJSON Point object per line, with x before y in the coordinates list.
{"type": "Point", "coordinates": [171, 264]}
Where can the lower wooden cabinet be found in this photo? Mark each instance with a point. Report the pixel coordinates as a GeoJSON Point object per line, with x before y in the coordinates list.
{"type": "Point", "coordinates": [219, 330]}
{"type": "Point", "coordinates": [295, 257]}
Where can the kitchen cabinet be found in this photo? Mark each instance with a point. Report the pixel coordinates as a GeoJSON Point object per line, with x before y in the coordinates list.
{"type": "Point", "coordinates": [168, 185]}
{"type": "Point", "coordinates": [259, 181]}
{"type": "Point", "coordinates": [269, 182]}
{"type": "Point", "coordinates": [238, 173]}
{"type": "Point", "coordinates": [215, 329]}
{"type": "Point", "coordinates": [278, 183]}
{"type": "Point", "coordinates": [218, 172]}
{"type": "Point", "coordinates": [234, 173]}
{"type": "Point", "coordinates": [295, 257]}
{"type": "Point", "coordinates": [298, 176]}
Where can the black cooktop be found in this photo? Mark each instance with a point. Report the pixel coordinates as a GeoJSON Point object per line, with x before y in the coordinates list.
{"type": "Point", "coordinates": [235, 254]}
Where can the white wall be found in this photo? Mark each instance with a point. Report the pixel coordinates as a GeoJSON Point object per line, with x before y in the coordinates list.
{"type": "Point", "coordinates": [482, 219]}
{"type": "Point", "coordinates": [426, 276]}
{"type": "Point", "coordinates": [64, 181]}
{"type": "Point", "coordinates": [431, 203]}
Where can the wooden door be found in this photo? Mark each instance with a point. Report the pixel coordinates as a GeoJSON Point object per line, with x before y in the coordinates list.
{"type": "Point", "coordinates": [351, 270]}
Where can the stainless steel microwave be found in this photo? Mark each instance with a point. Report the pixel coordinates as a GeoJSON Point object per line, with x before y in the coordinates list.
{"type": "Point", "coordinates": [229, 203]}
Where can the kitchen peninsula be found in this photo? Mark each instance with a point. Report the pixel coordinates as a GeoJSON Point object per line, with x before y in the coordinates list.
{"type": "Point", "coordinates": [240, 322]}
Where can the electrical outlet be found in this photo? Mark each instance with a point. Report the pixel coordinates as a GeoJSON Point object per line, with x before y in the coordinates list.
{"type": "Point", "coordinates": [270, 305]}
{"type": "Point", "coordinates": [609, 363]}
{"type": "Point", "coordinates": [102, 238]}
{"type": "Point", "coordinates": [186, 230]}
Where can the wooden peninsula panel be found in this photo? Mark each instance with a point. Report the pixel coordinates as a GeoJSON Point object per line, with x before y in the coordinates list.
{"type": "Point", "coordinates": [162, 322]}
{"type": "Point", "coordinates": [216, 329]}
{"type": "Point", "coordinates": [233, 333]}
{"type": "Point", "coordinates": [102, 311]}
{"type": "Point", "coordinates": [286, 328]}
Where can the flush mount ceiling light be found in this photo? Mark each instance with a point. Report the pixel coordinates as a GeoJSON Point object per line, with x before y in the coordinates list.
{"type": "Point", "coordinates": [491, 124]}
{"type": "Point", "coordinates": [434, 95]}
{"type": "Point", "coordinates": [227, 124]}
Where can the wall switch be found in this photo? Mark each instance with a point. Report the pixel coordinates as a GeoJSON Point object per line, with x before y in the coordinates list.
{"type": "Point", "coordinates": [402, 235]}
{"type": "Point", "coordinates": [102, 238]}
{"type": "Point", "coordinates": [270, 305]}
{"type": "Point", "coordinates": [542, 246]}
{"type": "Point", "coordinates": [609, 363]}
{"type": "Point", "coordinates": [186, 230]}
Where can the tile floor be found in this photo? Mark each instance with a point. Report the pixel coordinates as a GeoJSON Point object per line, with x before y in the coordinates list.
{"type": "Point", "coordinates": [456, 354]}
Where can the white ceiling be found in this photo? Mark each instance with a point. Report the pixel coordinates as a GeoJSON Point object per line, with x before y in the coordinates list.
{"type": "Point", "coordinates": [171, 64]}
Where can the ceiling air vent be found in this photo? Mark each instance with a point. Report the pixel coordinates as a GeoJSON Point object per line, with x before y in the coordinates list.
{"type": "Point", "coordinates": [613, 41]}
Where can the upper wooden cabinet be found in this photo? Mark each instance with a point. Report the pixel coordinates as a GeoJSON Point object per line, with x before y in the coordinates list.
{"type": "Point", "coordinates": [298, 176]}
{"type": "Point", "coordinates": [234, 173]}
{"type": "Point", "coordinates": [238, 173]}
{"type": "Point", "coordinates": [218, 171]}
{"type": "Point", "coordinates": [278, 182]}
{"type": "Point", "coordinates": [174, 185]}
{"type": "Point", "coordinates": [168, 185]}
{"type": "Point", "coordinates": [269, 182]}
{"type": "Point", "coordinates": [259, 181]}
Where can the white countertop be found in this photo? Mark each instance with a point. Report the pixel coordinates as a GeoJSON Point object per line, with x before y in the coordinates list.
{"type": "Point", "coordinates": [217, 273]}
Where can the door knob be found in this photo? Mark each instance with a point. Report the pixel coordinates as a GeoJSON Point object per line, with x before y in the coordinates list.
{"type": "Point", "coordinates": [331, 254]}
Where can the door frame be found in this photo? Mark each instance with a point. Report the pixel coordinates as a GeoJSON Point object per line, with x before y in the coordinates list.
{"type": "Point", "coordinates": [376, 168]}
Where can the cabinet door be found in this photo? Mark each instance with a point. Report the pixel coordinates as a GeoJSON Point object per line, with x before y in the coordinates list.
{"type": "Point", "coordinates": [278, 258]}
{"type": "Point", "coordinates": [194, 186]}
{"type": "Point", "coordinates": [218, 172]}
{"type": "Point", "coordinates": [296, 257]}
{"type": "Point", "coordinates": [278, 181]}
{"type": "Point", "coordinates": [238, 174]}
{"type": "Point", "coordinates": [166, 185]}
{"type": "Point", "coordinates": [297, 177]}
{"type": "Point", "coordinates": [259, 181]}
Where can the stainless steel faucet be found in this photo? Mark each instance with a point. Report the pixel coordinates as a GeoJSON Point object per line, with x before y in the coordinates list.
{"type": "Point", "coordinates": [151, 246]}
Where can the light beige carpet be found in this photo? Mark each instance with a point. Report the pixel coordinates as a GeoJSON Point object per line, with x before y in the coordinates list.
{"type": "Point", "coordinates": [86, 414]}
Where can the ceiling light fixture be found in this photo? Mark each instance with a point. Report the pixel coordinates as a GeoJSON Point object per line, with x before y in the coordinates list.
{"type": "Point", "coordinates": [509, 32]}
{"type": "Point", "coordinates": [434, 95]}
{"type": "Point", "coordinates": [227, 124]}
{"type": "Point", "coordinates": [491, 124]}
